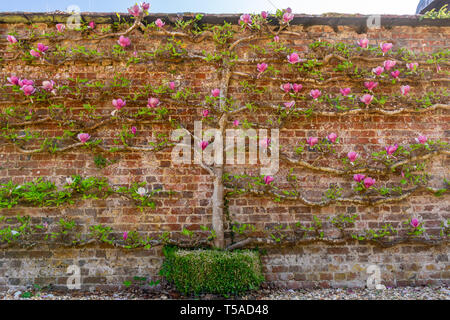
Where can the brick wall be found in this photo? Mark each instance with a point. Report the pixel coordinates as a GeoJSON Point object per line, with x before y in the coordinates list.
{"type": "Point", "coordinates": [298, 264]}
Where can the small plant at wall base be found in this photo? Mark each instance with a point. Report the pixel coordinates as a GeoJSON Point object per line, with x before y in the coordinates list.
{"type": "Point", "coordinates": [212, 271]}
{"type": "Point", "coordinates": [140, 282]}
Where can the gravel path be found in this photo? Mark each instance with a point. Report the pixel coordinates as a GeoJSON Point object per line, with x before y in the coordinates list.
{"type": "Point", "coordinates": [403, 293]}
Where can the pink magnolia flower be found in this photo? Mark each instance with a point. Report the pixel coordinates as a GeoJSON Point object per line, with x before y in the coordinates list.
{"type": "Point", "coordinates": [13, 80]}
{"type": "Point", "coordinates": [389, 64]}
{"type": "Point", "coordinates": [345, 91]}
{"type": "Point", "coordinates": [414, 222]}
{"type": "Point", "coordinates": [28, 90]}
{"type": "Point", "coordinates": [286, 87]}
{"type": "Point", "coordinates": [268, 180]}
{"type": "Point", "coordinates": [352, 155]}
{"type": "Point", "coordinates": [11, 39]}
{"type": "Point", "coordinates": [35, 53]}
{"type": "Point", "coordinates": [203, 144]}
{"type": "Point", "coordinates": [312, 141]}
{"type": "Point", "coordinates": [48, 85]}
{"type": "Point", "coordinates": [153, 102]}
{"type": "Point", "coordinates": [124, 41]}
{"type": "Point", "coordinates": [289, 104]}
{"type": "Point", "coordinates": [368, 182]}
{"type": "Point", "coordinates": [215, 92]}
{"type": "Point", "coordinates": [172, 85]}
{"type": "Point", "coordinates": [412, 66]}
{"type": "Point", "coordinates": [159, 23]}
{"type": "Point", "coordinates": [358, 177]}
{"type": "Point", "coordinates": [370, 85]}
{"type": "Point", "coordinates": [315, 93]}
{"type": "Point", "coordinates": [378, 70]}
{"type": "Point", "coordinates": [42, 47]}
{"type": "Point", "coordinates": [134, 10]}
{"type": "Point", "coordinates": [145, 6]}
{"type": "Point", "coordinates": [421, 139]}
{"type": "Point", "coordinates": [367, 99]}
{"type": "Point", "coordinates": [83, 137]}
{"type": "Point", "coordinates": [245, 19]}
{"type": "Point", "coordinates": [395, 74]}
{"type": "Point", "coordinates": [261, 67]}
{"type": "Point", "coordinates": [297, 87]}
{"type": "Point", "coordinates": [332, 137]}
{"type": "Point", "coordinates": [205, 113]}
{"type": "Point", "coordinates": [125, 234]}
{"type": "Point", "coordinates": [60, 27]}
{"type": "Point", "coordinates": [363, 43]}
{"type": "Point", "coordinates": [276, 38]}
{"type": "Point", "coordinates": [391, 149]}
{"type": "Point", "coordinates": [293, 58]}
{"type": "Point", "coordinates": [405, 90]}
{"type": "Point", "coordinates": [264, 143]}
{"type": "Point", "coordinates": [385, 47]}
{"type": "Point", "coordinates": [119, 103]}
{"type": "Point", "coordinates": [26, 82]}
{"type": "Point", "coordinates": [91, 25]}
{"type": "Point", "coordinates": [264, 15]}
{"type": "Point", "coordinates": [133, 130]}
{"type": "Point", "coordinates": [287, 17]}
{"type": "Point", "coordinates": [236, 123]}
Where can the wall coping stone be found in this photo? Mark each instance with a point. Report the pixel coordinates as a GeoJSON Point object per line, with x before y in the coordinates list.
{"type": "Point", "coordinates": [329, 19]}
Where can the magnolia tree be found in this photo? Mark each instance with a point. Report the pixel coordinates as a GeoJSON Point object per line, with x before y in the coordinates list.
{"type": "Point", "coordinates": [304, 92]}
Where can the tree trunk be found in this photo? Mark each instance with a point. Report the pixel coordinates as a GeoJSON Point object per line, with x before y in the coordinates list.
{"type": "Point", "coordinates": [217, 208]}
{"type": "Point", "coordinates": [218, 193]}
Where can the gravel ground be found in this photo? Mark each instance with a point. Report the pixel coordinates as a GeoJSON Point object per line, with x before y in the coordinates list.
{"type": "Point", "coordinates": [403, 293]}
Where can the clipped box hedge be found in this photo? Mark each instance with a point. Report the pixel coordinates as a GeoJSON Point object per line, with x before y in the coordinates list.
{"type": "Point", "coordinates": [212, 271]}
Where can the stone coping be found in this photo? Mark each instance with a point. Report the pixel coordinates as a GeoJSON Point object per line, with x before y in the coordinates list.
{"type": "Point", "coordinates": [330, 19]}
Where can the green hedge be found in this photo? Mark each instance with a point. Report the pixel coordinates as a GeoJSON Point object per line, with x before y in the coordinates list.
{"type": "Point", "coordinates": [212, 271]}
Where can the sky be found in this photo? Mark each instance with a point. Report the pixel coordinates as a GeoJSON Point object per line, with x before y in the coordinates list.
{"type": "Point", "coordinates": [220, 6]}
